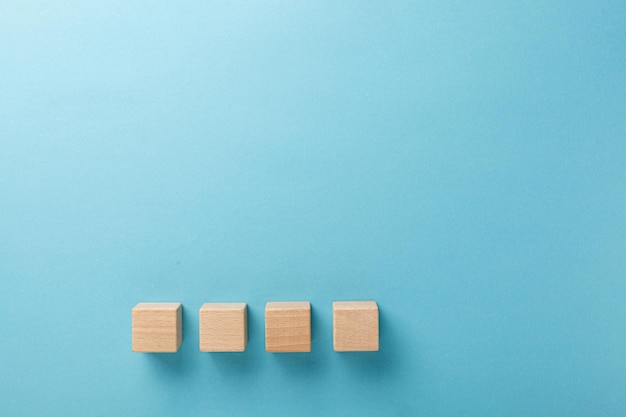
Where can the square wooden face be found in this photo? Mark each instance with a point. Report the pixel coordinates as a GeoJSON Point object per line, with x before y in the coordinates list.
{"type": "Point", "coordinates": [223, 327]}
{"type": "Point", "coordinates": [157, 327]}
{"type": "Point", "coordinates": [355, 326]}
{"type": "Point", "coordinates": [288, 327]}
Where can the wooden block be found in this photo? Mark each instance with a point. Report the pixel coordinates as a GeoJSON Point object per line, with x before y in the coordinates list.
{"type": "Point", "coordinates": [157, 327]}
{"type": "Point", "coordinates": [355, 326]}
{"type": "Point", "coordinates": [288, 326]}
{"type": "Point", "coordinates": [223, 327]}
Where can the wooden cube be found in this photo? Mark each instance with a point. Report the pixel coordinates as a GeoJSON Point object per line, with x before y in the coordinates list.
{"type": "Point", "coordinates": [288, 326]}
{"type": "Point", "coordinates": [157, 327]}
{"type": "Point", "coordinates": [223, 327]}
{"type": "Point", "coordinates": [355, 326]}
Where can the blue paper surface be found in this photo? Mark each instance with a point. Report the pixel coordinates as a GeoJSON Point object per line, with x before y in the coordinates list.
{"type": "Point", "coordinates": [461, 163]}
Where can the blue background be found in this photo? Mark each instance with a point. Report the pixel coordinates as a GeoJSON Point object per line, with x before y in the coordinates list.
{"type": "Point", "coordinates": [462, 163]}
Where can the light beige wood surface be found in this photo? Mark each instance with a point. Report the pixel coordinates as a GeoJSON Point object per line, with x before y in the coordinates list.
{"type": "Point", "coordinates": [355, 326]}
{"type": "Point", "coordinates": [223, 327]}
{"type": "Point", "coordinates": [157, 327]}
{"type": "Point", "coordinates": [288, 326]}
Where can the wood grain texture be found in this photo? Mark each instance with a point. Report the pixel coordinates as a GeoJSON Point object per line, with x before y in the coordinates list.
{"type": "Point", "coordinates": [355, 326]}
{"type": "Point", "coordinates": [223, 327]}
{"type": "Point", "coordinates": [288, 326]}
{"type": "Point", "coordinates": [157, 327]}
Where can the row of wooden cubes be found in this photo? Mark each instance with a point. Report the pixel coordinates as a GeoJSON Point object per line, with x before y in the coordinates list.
{"type": "Point", "coordinates": [157, 327]}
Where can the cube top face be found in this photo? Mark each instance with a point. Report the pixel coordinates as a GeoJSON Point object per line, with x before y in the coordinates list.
{"type": "Point", "coordinates": [355, 305]}
{"type": "Point", "coordinates": [355, 326]}
{"type": "Point", "coordinates": [223, 306]}
{"type": "Point", "coordinates": [288, 326]}
{"type": "Point", "coordinates": [223, 327]}
{"type": "Point", "coordinates": [288, 305]}
{"type": "Point", "coordinates": [158, 306]}
{"type": "Point", "coordinates": [157, 327]}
